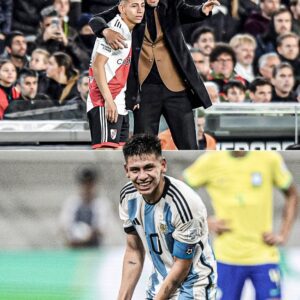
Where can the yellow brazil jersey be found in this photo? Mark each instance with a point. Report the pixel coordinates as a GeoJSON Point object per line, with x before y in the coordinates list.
{"type": "Point", "coordinates": [241, 191]}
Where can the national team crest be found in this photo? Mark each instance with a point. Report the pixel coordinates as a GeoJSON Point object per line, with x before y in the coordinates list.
{"type": "Point", "coordinates": [113, 133]}
{"type": "Point", "coordinates": [189, 251]}
{"type": "Point", "coordinates": [163, 227]}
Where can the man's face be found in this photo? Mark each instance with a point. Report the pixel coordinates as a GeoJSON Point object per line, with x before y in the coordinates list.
{"type": "Point", "coordinates": [263, 94]}
{"type": "Point", "coordinates": [132, 11]}
{"type": "Point", "coordinates": [268, 7]}
{"type": "Point", "coordinates": [152, 3]}
{"type": "Point", "coordinates": [267, 70]}
{"type": "Point", "coordinates": [200, 127]}
{"type": "Point", "coordinates": [201, 63]}
{"type": "Point", "coordinates": [83, 88]}
{"type": "Point", "coordinates": [18, 47]}
{"type": "Point", "coordinates": [213, 94]}
{"type": "Point", "coordinates": [146, 173]}
{"type": "Point", "coordinates": [29, 87]}
{"type": "Point", "coordinates": [205, 42]}
{"type": "Point", "coordinates": [245, 54]}
{"type": "Point", "coordinates": [235, 95]}
{"type": "Point", "coordinates": [223, 65]}
{"type": "Point", "coordinates": [62, 7]}
{"type": "Point", "coordinates": [283, 23]}
{"type": "Point", "coordinates": [284, 80]}
{"type": "Point", "coordinates": [289, 48]}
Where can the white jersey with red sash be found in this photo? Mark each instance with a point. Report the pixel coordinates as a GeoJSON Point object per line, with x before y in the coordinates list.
{"type": "Point", "coordinates": [116, 68]}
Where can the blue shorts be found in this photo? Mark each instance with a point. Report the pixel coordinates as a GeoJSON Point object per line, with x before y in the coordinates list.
{"type": "Point", "coordinates": [265, 279]}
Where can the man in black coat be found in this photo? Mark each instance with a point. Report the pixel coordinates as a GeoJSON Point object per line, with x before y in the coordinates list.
{"type": "Point", "coordinates": [156, 98]}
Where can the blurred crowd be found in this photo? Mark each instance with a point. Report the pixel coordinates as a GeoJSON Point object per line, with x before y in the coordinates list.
{"type": "Point", "coordinates": [247, 51]}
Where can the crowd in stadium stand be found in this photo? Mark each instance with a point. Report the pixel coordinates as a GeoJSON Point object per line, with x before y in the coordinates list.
{"type": "Point", "coordinates": [247, 51]}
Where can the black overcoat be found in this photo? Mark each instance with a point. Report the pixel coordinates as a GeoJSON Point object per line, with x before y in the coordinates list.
{"type": "Point", "coordinates": [172, 14]}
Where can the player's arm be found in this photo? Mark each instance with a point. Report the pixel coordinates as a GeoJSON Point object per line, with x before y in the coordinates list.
{"type": "Point", "coordinates": [132, 266]}
{"type": "Point", "coordinates": [101, 80]}
{"type": "Point", "coordinates": [176, 276]}
{"type": "Point", "coordinates": [288, 218]}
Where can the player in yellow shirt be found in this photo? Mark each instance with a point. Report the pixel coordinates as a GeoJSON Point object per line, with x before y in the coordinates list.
{"type": "Point", "coordinates": [240, 185]}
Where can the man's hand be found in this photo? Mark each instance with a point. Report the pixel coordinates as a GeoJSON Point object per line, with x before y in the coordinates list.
{"type": "Point", "coordinates": [114, 39]}
{"type": "Point", "coordinates": [217, 226]}
{"type": "Point", "coordinates": [111, 112]}
{"type": "Point", "coordinates": [273, 239]}
{"type": "Point", "coordinates": [136, 107]}
{"type": "Point", "coordinates": [209, 5]}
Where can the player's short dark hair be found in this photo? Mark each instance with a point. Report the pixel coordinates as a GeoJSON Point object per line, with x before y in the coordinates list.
{"type": "Point", "coordinates": [199, 31]}
{"type": "Point", "coordinates": [11, 35]}
{"type": "Point", "coordinates": [222, 48]}
{"type": "Point", "coordinates": [86, 175]}
{"type": "Point", "coordinates": [234, 83]}
{"type": "Point", "coordinates": [27, 73]}
{"type": "Point", "coordinates": [141, 144]}
{"type": "Point", "coordinates": [259, 81]}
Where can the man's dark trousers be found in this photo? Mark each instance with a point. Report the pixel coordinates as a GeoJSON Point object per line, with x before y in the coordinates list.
{"type": "Point", "coordinates": [157, 100]}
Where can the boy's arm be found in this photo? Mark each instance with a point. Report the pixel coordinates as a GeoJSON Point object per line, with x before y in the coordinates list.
{"type": "Point", "coordinates": [132, 266]}
{"type": "Point", "coordinates": [101, 80]}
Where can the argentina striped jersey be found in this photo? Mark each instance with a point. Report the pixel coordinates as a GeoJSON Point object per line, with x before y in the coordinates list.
{"type": "Point", "coordinates": [175, 226]}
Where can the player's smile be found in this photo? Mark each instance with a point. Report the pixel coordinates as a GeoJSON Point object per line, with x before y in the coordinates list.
{"type": "Point", "coordinates": [146, 173]}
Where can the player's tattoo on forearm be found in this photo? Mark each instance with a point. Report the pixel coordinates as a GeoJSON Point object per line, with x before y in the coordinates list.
{"type": "Point", "coordinates": [130, 262]}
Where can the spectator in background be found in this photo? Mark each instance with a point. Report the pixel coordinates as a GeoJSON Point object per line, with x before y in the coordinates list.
{"type": "Point", "coordinates": [16, 48]}
{"type": "Point", "coordinates": [53, 39]}
{"type": "Point", "coordinates": [80, 99]}
{"type": "Point", "coordinates": [259, 20]}
{"type": "Point", "coordinates": [86, 38]}
{"type": "Point", "coordinates": [288, 50]}
{"type": "Point", "coordinates": [84, 217]}
{"type": "Point", "coordinates": [203, 38]}
{"type": "Point", "coordinates": [267, 63]}
{"type": "Point", "coordinates": [63, 9]}
{"type": "Point", "coordinates": [244, 46]}
{"type": "Point", "coordinates": [201, 62]}
{"type": "Point", "coordinates": [295, 9]}
{"type": "Point", "coordinates": [8, 91]}
{"type": "Point", "coordinates": [281, 22]}
{"type": "Point", "coordinates": [222, 62]}
{"type": "Point", "coordinates": [39, 62]}
{"type": "Point", "coordinates": [283, 81]}
{"type": "Point", "coordinates": [28, 86]}
{"type": "Point", "coordinates": [5, 17]}
{"type": "Point", "coordinates": [260, 90]}
{"type": "Point", "coordinates": [234, 91]}
{"type": "Point", "coordinates": [63, 77]}
{"type": "Point", "coordinates": [213, 91]}
{"type": "Point", "coordinates": [26, 15]}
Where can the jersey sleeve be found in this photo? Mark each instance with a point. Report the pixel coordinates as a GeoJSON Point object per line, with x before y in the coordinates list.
{"type": "Point", "coordinates": [282, 178]}
{"type": "Point", "coordinates": [197, 174]}
{"type": "Point", "coordinates": [103, 48]}
{"type": "Point", "coordinates": [123, 212]}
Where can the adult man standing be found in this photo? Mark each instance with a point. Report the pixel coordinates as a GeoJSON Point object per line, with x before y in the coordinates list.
{"type": "Point", "coordinates": [167, 219]}
{"type": "Point", "coordinates": [162, 68]}
{"type": "Point", "coordinates": [240, 185]}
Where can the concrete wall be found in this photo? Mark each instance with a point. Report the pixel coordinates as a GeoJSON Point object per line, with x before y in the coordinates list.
{"type": "Point", "coordinates": [34, 185]}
